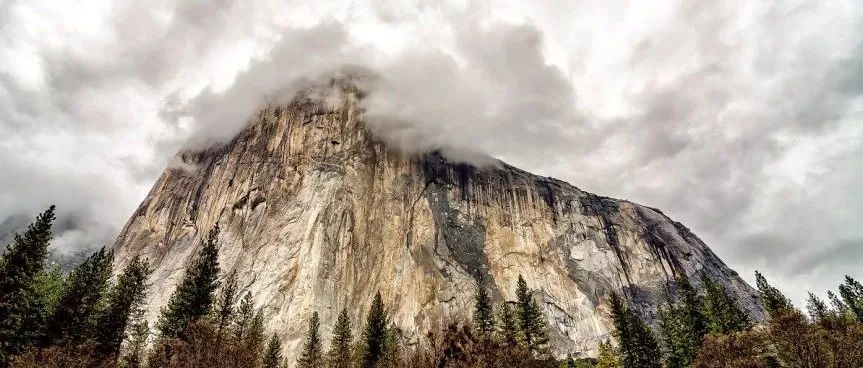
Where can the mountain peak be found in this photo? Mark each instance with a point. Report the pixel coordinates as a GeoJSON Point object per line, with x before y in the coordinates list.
{"type": "Point", "coordinates": [317, 214]}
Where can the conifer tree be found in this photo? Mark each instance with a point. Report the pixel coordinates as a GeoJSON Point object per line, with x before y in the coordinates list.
{"type": "Point", "coordinates": [340, 354]}
{"type": "Point", "coordinates": [124, 305]}
{"type": "Point", "coordinates": [194, 296]}
{"type": "Point", "coordinates": [245, 315]}
{"type": "Point", "coordinates": [392, 349]}
{"type": "Point", "coordinates": [691, 305]}
{"type": "Point", "coordinates": [680, 340]}
{"type": "Point", "coordinates": [721, 312]}
{"type": "Point", "coordinates": [648, 353]}
{"type": "Point", "coordinates": [49, 286]}
{"type": "Point", "coordinates": [23, 306]}
{"type": "Point", "coordinates": [608, 357]}
{"type": "Point", "coordinates": [852, 294]}
{"type": "Point", "coordinates": [81, 300]}
{"type": "Point", "coordinates": [248, 330]}
{"type": "Point", "coordinates": [817, 308]}
{"type": "Point", "coordinates": [772, 300]}
{"type": "Point", "coordinates": [682, 325]}
{"type": "Point", "coordinates": [532, 325]}
{"type": "Point", "coordinates": [507, 326]}
{"type": "Point", "coordinates": [254, 336]}
{"type": "Point", "coordinates": [837, 303]}
{"type": "Point", "coordinates": [638, 346]}
{"type": "Point", "coordinates": [375, 332]}
{"type": "Point", "coordinates": [136, 349]}
{"type": "Point", "coordinates": [273, 355]}
{"type": "Point", "coordinates": [224, 310]}
{"type": "Point", "coordinates": [483, 316]}
{"type": "Point", "coordinates": [312, 356]}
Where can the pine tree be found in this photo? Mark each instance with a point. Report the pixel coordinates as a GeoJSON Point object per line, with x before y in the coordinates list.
{"type": "Point", "coordinates": [340, 354]}
{"type": "Point", "coordinates": [852, 294]}
{"type": "Point", "coordinates": [507, 326]}
{"type": "Point", "coordinates": [245, 315]}
{"type": "Point", "coordinates": [648, 353]}
{"type": "Point", "coordinates": [608, 357]}
{"type": "Point", "coordinates": [772, 300]}
{"type": "Point", "coordinates": [124, 304]}
{"type": "Point", "coordinates": [248, 331]}
{"type": "Point", "coordinates": [225, 304]}
{"type": "Point", "coordinates": [837, 303]}
{"type": "Point", "coordinates": [532, 325]}
{"type": "Point", "coordinates": [375, 332]}
{"type": "Point", "coordinates": [81, 300]}
{"type": "Point", "coordinates": [680, 340]}
{"type": "Point", "coordinates": [638, 346]}
{"type": "Point", "coordinates": [253, 340]}
{"type": "Point", "coordinates": [136, 349]}
{"type": "Point", "coordinates": [23, 306]}
{"type": "Point", "coordinates": [691, 304]}
{"type": "Point", "coordinates": [49, 286]}
{"type": "Point", "coordinates": [273, 355]}
{"type": "Point", "coordinates": [194, 296]}
{"type": "Point", "coordinates": [392, 350]}
{"type": "Point", "coordinates": [817, 308]}
{"type": "Point", "coordinates": [483, 316]}
{"type": "Point", "coordinates": [312, 356]}
{"type": "Point", "coordinates": [721, 312]}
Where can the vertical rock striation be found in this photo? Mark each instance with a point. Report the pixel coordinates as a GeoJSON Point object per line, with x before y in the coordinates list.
{"type": "Point", "coordinates": [317, 215]}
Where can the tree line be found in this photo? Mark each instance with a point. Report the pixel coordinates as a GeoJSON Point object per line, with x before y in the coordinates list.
{"type": "Point", "coordinates": [86, 319]}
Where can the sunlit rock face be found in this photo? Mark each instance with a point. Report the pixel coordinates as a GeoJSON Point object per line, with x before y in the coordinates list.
{"type": "Point", "coordinates": [318, 215]}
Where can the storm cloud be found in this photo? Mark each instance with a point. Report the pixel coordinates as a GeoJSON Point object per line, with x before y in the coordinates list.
{"type": "Point", "coordinates": [742, 120]}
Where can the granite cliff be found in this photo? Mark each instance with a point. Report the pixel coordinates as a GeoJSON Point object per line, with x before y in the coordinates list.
{"type": "Point", "coordinates": [316, 214]}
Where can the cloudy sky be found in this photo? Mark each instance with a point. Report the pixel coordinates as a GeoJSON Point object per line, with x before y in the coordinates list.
{"type": "Point", "coordinates": [742, 119]}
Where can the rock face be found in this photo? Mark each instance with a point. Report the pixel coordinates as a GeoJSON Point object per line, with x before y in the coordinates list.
{"type": "Point", "coordinates": [318, 215]}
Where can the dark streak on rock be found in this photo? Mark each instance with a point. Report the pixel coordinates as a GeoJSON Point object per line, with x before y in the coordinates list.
{"type": "Point", "coordinates": [463, 174]}
{"type": "Point", "coordinates": [607, 210]}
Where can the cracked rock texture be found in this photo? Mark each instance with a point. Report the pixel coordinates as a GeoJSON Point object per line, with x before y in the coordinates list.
{"type": "Point", "coordinates": [317, 215]}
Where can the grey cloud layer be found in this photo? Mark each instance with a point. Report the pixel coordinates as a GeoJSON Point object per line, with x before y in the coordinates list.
{"type": "Point", "coordinates": [743, 121]}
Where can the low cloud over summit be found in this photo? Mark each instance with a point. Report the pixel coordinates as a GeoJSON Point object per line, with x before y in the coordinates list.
{"type": "Point", "coordinates": [742, 120]}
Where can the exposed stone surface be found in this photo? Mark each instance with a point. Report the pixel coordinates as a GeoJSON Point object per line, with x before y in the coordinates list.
{"type": "Point", "coordinates": [317, 215]}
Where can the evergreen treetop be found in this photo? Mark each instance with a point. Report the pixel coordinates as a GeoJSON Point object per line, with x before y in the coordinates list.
{"type": "Point", "coordinates": [678, 335]}
{"type": "Point", "coordinates": [816, 307]}
{"type": "Point", "coordinates": [253, 339]}
{"type": "Point", "coordinates": [638, 346]}
{"type": "Point", "coordinates": [852, 294]}
{"type": "Point", "coordinates": [720, 310]}
{"type": "Point", "coordinates": [225, 304]}
{"type": "Point", "coordinates": [375, 332]}
{"type": "Point", "coordinates": [837, 303]}
{"type": "Point", "coordinates": [273, 355]}
{"type": "Point", "coordinates": [23, 303]}
{"type": "Point", "coordinates": [193, 298]}
{"type": "Point", "coordinates": [507, 326]}
{"type": "Point", "coordinates": [340, 354]}
{"type": "Point", "coordinates": [312, 355]}
{"type": "Point", "coordinates": [608, 357]}
{"type": "Point", "coordinates": [691, 305]}
{"type": "Point", "coordinates": [772, 300]}
{"type": "Point", "coordinates": [81, 300]}
{"type": "Point", "coordinates": [244, 316]}
{"type": "Point", "coordinates": [483, 315]}
{"type": "Point", "coordinates": [124, 304]}
{"type": "Point", "coordinates": [531, 322]}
